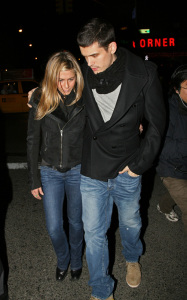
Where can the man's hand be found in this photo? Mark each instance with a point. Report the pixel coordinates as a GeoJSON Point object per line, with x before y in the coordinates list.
{"type": "Point", "coordinates": [29, 96]}
{"type": "Point", "coordinates": [126, 169]}
{"type": "Point", "coordinates": [37, 192]}
{"type": "Point", "coordinates": [141, 128]}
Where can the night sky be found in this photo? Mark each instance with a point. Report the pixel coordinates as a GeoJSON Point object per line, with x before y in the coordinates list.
{"type": "Point", "coordinates": [50, 32]}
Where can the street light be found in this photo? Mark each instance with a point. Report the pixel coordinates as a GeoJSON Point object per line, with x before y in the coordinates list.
{"type": "Point", "coordinates": [144, 31]}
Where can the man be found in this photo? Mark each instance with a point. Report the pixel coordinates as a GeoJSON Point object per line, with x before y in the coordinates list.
{"type": "Point", "coordinates": [120, 90]}
{"type": "Point", "coordinates": [172, 164]}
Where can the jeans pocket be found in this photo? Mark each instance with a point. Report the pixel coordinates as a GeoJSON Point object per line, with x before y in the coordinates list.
{"type": "Point", "coordinates": [132, 176]}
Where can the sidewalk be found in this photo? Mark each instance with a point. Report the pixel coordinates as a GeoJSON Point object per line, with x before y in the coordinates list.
{"type": "Point", "coordinates": [32, 261]}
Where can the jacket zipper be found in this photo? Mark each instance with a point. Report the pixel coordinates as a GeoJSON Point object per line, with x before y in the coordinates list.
{"type": "Point", "coordinates": [61, 137]}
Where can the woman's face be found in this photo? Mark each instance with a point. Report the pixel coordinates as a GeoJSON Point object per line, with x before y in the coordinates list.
{"type": "Point", "coordinates": [66, 81]}
{"type": "Point", "coordinates": [183, 91]}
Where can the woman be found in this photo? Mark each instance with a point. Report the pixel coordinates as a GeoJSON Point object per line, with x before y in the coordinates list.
{"type": "Point", "coordinates": [55, 130]}
{"type": "Point", "coordinates": [172, 165]}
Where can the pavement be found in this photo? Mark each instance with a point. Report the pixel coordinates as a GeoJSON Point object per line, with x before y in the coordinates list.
{"type": "Point", "coordinates": [30, 262]}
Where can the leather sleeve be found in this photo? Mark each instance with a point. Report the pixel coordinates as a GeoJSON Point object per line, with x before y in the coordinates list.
{"type": "Point", "coordinates": [33, 149]}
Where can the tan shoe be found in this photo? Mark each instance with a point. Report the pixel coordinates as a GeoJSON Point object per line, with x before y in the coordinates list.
{"type": "Point", "coordinates": [133, 277]}
{"type": "Point", "coordinates": [109, 298]}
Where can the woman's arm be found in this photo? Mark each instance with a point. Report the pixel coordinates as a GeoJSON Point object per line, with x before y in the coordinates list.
{"type": "Point", "coordinates": [33, 149]}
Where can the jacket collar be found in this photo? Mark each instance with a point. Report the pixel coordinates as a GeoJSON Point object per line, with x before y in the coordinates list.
{"type": "Point", "coordinates": [134, 79]}
{"type": "Point", "coordinates": [57, 114]}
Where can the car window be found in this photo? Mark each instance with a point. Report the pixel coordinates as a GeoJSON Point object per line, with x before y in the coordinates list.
{"type": "Point", "coordinates": [7, 88]}
{"type": "Point", "coordinates": [28, 85]}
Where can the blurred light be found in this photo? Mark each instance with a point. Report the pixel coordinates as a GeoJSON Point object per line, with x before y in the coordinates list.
{"type": "Point", "coordinates": [20, 30]}
{"type": "Point", "coordinates": [30, 45]}
{"type": "Point", "coordinates": [146, 57]}
{"type": "Point", "coordinates": [59, 6]}
{"type": "Point", "coordinates": [144, 31]}
{"type": "Point", "coordinates": [36, 58]}
{"type": "Point", "coordinates": [124, 28]}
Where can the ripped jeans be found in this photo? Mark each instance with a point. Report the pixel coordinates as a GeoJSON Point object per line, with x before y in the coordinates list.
{"type": "Point", "coordinates": [97, 201]}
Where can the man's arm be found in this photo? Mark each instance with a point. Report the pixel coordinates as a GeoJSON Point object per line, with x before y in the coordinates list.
{"type": "Point", "coordinates": [155, 114]}
{"type": "Point", "coordinates": [30, 95]}
{"type": "Point", "coordinates": [126, 169]}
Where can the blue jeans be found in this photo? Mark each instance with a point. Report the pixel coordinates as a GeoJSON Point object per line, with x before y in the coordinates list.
{"type": "Point", "coordinates": [55, 185]}
{"type": "Point", "coordinates": [97, 200]}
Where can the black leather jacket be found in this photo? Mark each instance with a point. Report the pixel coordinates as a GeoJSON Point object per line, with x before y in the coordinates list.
{"type": "Point", "coordinates": [59, 144]}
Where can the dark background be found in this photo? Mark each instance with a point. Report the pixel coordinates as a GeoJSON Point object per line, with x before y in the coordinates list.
{"type": "Point", "coordinates": [51, 28]}
{"type": "Point", "coordinates": [53, 25]}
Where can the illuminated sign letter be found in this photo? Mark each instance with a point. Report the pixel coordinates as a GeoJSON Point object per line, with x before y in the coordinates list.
{"type": "Point", "coordinates": [142, 43]}
{"type": "Point", "coordinates": [165, 42]}
{"type": "Point", "coordinates": [157, 42]}
{"type": "Point", "coordinates": [172, 42]}
{"type": "Point", "coordinates": [150, 43]}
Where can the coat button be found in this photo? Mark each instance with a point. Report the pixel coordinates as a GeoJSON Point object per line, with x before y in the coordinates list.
{"type": "Point", "coordinates": [95, 138]}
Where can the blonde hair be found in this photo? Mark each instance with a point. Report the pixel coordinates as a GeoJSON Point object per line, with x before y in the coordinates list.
{"type": "Point", "coordinates": [50, 98]}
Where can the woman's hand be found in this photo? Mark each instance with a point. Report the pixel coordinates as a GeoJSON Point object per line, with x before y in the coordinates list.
{"type": "Point", "coordinates": [37, 192]}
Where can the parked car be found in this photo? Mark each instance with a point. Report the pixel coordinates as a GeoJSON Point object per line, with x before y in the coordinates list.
{"type": "Point", "coordinates": [14, 95]}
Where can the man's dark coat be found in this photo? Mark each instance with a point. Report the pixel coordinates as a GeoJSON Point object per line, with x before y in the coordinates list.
{"type": "Point", "coordinates": [109, 147]}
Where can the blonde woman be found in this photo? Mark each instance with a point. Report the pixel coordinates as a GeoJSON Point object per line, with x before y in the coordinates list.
{"type": "Point", "coordinates": [55, 131]}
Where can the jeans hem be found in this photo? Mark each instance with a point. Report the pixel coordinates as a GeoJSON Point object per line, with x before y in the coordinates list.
{"type": "Point", "coordinates": [101, 298]}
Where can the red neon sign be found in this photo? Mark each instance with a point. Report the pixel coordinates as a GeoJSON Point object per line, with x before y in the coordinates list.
{"type": "Point", "coordinates": [154, 43]}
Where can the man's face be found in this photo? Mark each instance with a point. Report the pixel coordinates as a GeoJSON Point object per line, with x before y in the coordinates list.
{"type": "Point", "coordinates": [98, 58]}
{"type": "Point", "coordinates": [183, 91]}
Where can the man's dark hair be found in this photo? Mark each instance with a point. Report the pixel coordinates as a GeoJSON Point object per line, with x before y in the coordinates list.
{"type": "Point", "coordinates": [96, 30]}
{"type": "Point", "coordinates": [178, 76]}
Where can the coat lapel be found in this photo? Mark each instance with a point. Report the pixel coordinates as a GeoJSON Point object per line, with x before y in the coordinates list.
{"type": "Point", "coordinates": [92, 110]}
{"type": "Point", "coordinates": [132, 85]}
